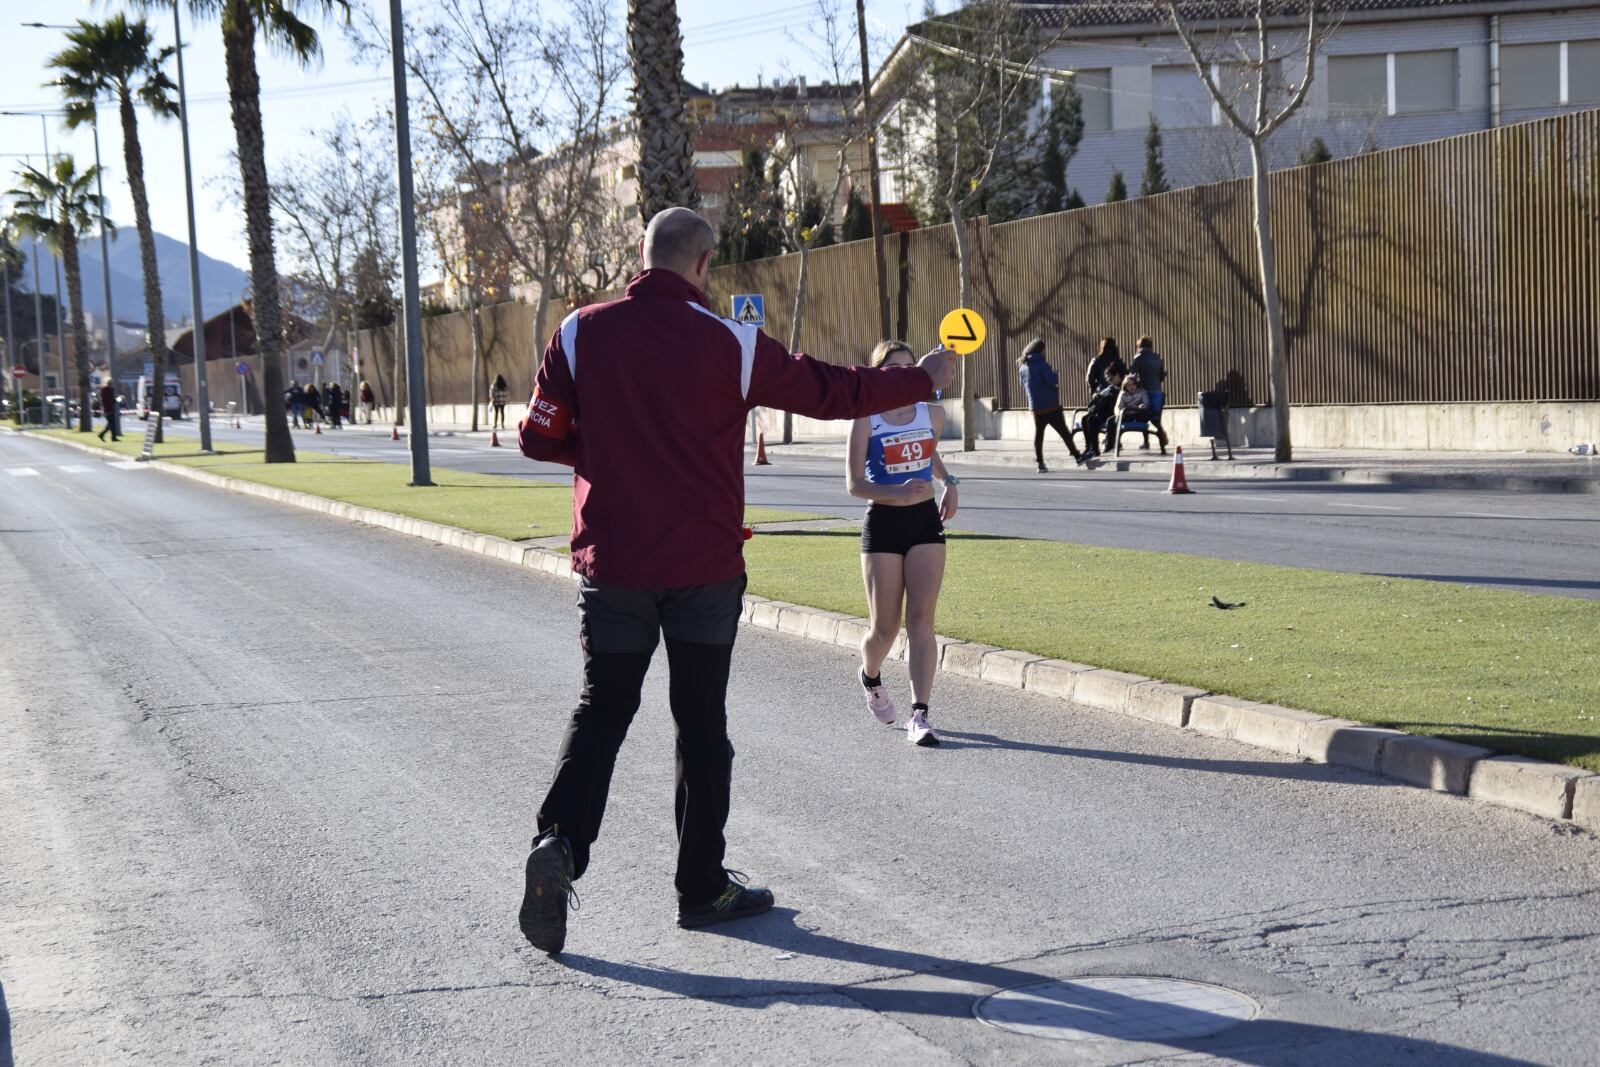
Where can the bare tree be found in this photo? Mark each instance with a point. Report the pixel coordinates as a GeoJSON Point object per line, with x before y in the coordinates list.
{"type": "Point", "coordinates": [334, 212]}
{"type": "Point", "coordinates": [521, 106]}
{"type": "Point", "coordinates": [1240, 69]}
{"type": "Point", "coordinates": [973, 95]}
{"type": "Point", "coordinates": [809, 217]}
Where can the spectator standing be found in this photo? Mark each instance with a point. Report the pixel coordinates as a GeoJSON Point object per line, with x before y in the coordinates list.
{"type": "Point", "coordinates": [646, 398]}
{"type": "Point", "coordinates": [297, 403]}
{"type": "Point", "coordinates": [313, 405]}
{"type": "Point", "coordinates": [1151, 371]}
{"type": "Point", "coordinates": [1105, 362]}
{"type": "Point", "coordinates": [1042, 387]}
{"type": "Point", "coordinates": [108, 408]}
{"type": "Point", "coordinates": [335, 405]}
{"type": "Point", "coordinates": [498, 392]}
{"type": "Point", "coordinates": [368, 400]}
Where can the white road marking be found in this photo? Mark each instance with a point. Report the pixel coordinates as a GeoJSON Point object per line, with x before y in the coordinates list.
{"type": "Point", "coordinates": [1490, 515]}
{"type": "Point", "coordinates": [22, 472]}
{"type": "Point", "coordinates": [74, 468]}
{"type": "Point", "coordinates": [1369, 507]}
{"type": "Point", "coordinates": [129, 465]}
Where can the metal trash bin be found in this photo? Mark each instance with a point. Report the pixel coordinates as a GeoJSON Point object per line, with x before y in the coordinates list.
{"type": "Point", "coordinates": [1213, 405]}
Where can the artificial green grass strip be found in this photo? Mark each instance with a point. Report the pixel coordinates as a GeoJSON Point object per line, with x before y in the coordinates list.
{"type": "Point", "coordinates": [1515, 672]}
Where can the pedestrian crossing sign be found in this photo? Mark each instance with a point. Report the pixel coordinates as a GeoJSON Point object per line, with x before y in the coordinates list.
{"type": "Point", "coordinates": [750, 309]}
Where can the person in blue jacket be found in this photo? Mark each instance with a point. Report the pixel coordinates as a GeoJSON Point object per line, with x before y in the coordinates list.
{"type": "Point", "coordinates": [1040, 383]}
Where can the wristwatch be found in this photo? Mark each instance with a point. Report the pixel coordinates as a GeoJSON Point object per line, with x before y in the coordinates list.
{"type": "Point", "coordinates": [951, 479]}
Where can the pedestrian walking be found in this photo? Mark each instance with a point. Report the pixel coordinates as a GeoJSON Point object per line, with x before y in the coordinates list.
{"type": "Point", "coordinates": [891, 461]}
{"type": "Point", "coordinates": [497, 398]}
{"type": "Point", "coordinates": [335, 405]}
{"type": "Point", "coordinates": [646, 398]}
{"type": "Point", "coordinates": [313, 405]}
{"type": "Point", "coordinates": [1042, 387]}
{"type": "Point", "coordinates": [1106, 362]}
{"type": "Point", "coordinates": [368, 400]}
{"type": "Point", "coordinates": [296, 397]}
{"type": "Point", "coordinates": [108, 408]}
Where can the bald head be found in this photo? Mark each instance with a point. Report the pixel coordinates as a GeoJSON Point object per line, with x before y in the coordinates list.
{"type": "Point", "coordinates": [681, 241]}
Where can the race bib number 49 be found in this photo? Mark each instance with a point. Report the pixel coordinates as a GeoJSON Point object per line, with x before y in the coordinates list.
{"type": "Point", "coordinates": [904, 453]}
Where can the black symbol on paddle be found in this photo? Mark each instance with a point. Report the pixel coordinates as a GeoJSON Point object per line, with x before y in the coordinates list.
{"type": "Point", "coordinates": [970, 335]}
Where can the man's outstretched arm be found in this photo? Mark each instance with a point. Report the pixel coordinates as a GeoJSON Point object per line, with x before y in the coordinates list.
{"type": "Point", "coordinates": [821, 390]}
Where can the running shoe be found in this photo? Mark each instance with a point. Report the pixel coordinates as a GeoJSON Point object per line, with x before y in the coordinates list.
{"type": "Point", "coordinates": [878, 701]}
{"type": "Point", "coordinates": [918, 732]}
{"type": "Point", "coordinates": [737, 901]}
{"type": "Point", "coordinates": [546, 893]}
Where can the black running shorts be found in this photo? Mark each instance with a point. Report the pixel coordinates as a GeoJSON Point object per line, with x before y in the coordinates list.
{"type": "Point", "coordinates": [897, 530]}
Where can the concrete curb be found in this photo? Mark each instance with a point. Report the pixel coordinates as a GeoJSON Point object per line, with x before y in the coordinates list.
{"type": "Point", "coordinates": [1548, 790]}
{"type": "Point", "coordinates": [1199, 465]}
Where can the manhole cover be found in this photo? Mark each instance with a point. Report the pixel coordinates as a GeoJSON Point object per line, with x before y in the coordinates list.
{"type": "Point", "coordinates": [1116, 1007]}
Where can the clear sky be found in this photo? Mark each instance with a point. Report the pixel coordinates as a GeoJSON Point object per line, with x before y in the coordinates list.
{"type": "Point", "coordinates": [724, 44]}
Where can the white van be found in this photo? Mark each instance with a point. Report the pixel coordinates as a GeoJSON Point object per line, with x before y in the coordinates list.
{"type": "Point", "coordinates": [172, 407]}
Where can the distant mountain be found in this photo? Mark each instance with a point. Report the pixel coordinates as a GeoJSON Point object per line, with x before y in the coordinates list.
{"type": "Point", "coordinates": [217, 278]}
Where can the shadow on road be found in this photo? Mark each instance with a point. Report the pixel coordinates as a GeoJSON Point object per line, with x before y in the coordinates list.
{"type": "Point", "coordinates": [1263, 1042]}
{"type": "Point", "coordinates": [5, 1030]}
{"type": "Point", "coordinates": [1301, 771]}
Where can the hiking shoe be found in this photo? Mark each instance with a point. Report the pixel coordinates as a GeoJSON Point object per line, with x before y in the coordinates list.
{"type": "Point", "coordinates": [878, 701]}
{"type": "Point", "coordinates": [545, 895]}
{"type": "Point", "coordinates": [918, 732]}
{"type": "Point", "coordinates": [738, 901]}
{"type": "Point", "coordinates": [1043, 469]}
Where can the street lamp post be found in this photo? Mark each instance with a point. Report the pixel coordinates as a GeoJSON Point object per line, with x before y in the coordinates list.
{"type": "Point", "coordinates": [61, 340]}
{"type": "Point", "coordinates": [38, 334]}
{"type": "Point", "coordinates": [11, 340]}
{"type": "Point", "coordinates": [416, 386]}
{"type": "Point", "coordinates": [233, 351]}
{"type": "Point", "coordinates": [201, 391]}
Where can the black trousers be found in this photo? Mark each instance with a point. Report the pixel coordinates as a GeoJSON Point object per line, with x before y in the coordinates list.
{"type": "Point", "coordinates": [619, 629]}
{"type": "Point", "coordinates": [1057, 421]}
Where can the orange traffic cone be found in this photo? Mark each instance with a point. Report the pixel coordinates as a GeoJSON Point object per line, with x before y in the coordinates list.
{"type": "Point", "coordinates": [761, 451]}
{"type": "Point", "coordinates": [236, 424]}
{"type": "Point", "coordinates": [319, 429]}
{"type": "Point", "coordinates": [1179, 483]}
{"type": "Point", "coordinates": [394, 433]}
{"type": "Point", "coordinates": [494, 438]}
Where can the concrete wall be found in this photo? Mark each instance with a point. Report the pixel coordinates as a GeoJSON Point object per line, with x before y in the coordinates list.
{"type": "Point", "coordinates": [1535, 427]}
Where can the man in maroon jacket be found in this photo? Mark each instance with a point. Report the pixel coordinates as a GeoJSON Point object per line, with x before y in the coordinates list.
{"type": "Point", "coordinates": [646, 398]}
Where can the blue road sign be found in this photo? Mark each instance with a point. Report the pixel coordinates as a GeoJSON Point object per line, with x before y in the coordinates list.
{"type": "Point", "coordinates": [316, 358]}
{"type": "Point", "coordinates": [750, 309]}
{"type": "Point", "coordinates": [242, 367]}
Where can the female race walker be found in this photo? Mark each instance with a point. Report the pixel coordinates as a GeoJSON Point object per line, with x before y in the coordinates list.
{"type": "Point", "coordinates": [892, 462]}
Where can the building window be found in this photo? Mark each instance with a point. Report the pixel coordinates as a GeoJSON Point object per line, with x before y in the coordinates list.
{"type": "Point", "coordinates": [1530, 75]}
{"type": "Point", "coordinates": [1358, 85]}
{"type": "Point", "coordinates": [1422, 81]}
{"type": "Point", "coordinates": [1095, 88]}
{"type": "Point", "coordinates": [1582, 69]}
{"type": "Point", "coordinates": [1181, 98]}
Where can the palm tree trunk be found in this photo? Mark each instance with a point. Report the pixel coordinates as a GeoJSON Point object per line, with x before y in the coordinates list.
{"type": "Point", "coordinates": [666, 152]}
{"type": "Point", "coordinates": [80, 335]}
{"type": "Point", "coordinates": [155, 315]}
{"type": "Point", "coordinates": [244, 97]}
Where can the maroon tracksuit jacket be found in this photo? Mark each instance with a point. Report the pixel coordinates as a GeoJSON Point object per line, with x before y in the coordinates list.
{"type": "Point", "coordinates": [647, 399]}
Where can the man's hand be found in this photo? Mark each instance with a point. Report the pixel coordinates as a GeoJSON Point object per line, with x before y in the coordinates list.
{"type": "Point", "coordinates": [941, 367]}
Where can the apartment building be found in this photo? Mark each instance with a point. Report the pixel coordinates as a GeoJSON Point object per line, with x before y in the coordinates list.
{"type": "Point", "coordinates": [1394, 72]}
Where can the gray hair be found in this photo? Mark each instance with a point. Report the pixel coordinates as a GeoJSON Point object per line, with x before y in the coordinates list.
{"type": "Point", "coordinates": [676, 239]}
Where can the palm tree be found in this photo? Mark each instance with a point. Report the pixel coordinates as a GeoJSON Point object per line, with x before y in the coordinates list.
{"type": "Point", "coordinates": [116, 57]}
{"type": "Point", "coordinates": [57, 205]}
{"type": "Point", "coordinates": [279, 23]}
{"type": "Point", "coordinates": [666, 151]}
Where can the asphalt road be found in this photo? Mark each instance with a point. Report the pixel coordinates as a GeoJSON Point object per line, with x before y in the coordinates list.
{"type": "Point", "coordinates": [267, 781]}
{"type": "Point", "coordinates": [1539, 543]}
